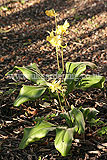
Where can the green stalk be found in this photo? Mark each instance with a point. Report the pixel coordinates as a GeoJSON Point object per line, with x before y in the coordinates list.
{"type": "Point", "coordinates": [62, 58]}
{"type": "Point", "coordinates": [55, 21]}
{"type": "Point", "coordinates": [66, 102]}
{"type": "Point", "coordinates": [57, 47]}
{"type": "Point", "coordinates": [57, 58]}
{"type": "Point", "coordinates": [59, 101]}
{"type": "Point", "coordinates": [62, 55]}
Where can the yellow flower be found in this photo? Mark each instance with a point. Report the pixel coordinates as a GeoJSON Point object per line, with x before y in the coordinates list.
{"type": "Point", "coordinates": [54, 40]}
{"type": "Point", "coordinates": [51, 13]}
{"type": "Point", "coordinates": [62, 28]}
{"type": "Point", "coordinates": [54, 86]}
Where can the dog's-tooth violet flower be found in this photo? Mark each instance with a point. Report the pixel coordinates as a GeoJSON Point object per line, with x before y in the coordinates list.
{"type": "Point", "coordinates": [62, 28]}
{"type": "Point", "coordinates": [50, 13]}
{"type": "Point", "coordinates": [54, 86]}
{"type": "Point", "coordinates": [54, 40]}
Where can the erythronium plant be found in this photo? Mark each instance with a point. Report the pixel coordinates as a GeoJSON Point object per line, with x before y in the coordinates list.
{"type": "Point", "coordinates": [74, 78]}
{"type": "Point", "coordinates": [75, 118]}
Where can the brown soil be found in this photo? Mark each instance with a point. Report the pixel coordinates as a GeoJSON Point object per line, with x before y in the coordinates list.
{"type": "Point", "coordinates": [24, 42]}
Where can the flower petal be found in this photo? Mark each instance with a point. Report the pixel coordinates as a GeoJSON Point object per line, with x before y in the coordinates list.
{"type": "Point", "coordinates": [50, 13]}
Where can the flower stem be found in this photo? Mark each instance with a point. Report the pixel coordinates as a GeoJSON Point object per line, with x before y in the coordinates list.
{"type": "Point", "coordinates": [62, 55]}
{"type": "Point", "coordinates": [55, 21]}
{"type": "Point", "coordinates": [59, 101]}
{"type": "Point", "coordinates": [62, 58]}
{"type": "Point", "coordinates": [57, 58]}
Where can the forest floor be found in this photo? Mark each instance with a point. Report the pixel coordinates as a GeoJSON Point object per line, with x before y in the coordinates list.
{"type": "Point", "coordinates": [23, 42]}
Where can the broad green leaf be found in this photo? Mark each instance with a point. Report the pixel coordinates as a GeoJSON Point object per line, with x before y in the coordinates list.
{"type": "Point", "coordinates": [68, 118]}
{"type": "Point", "coordinates": [75, 69]}
{"type": "Point", "coordinates": [70, 74]}
{"type": "Point", "coordinates": [70, 66]}
{"type": "Point", "coordinates": [89, 113]}
{"type": "Point", "coordinates": [93, 113]}
{"type": "Point", "coordinates": [80, 70]}
{"type": "Point", "coordinates": [63, 140]}
{"type": "Point", "coordinates": [32, 73]}
{"type": "Point", "coordinates": [79, 120]}
{"type": "Point", "coordinates": [85, 112]}
{"type": "Point", "coordinates": [93, 81]}
{"type": "Point", "coordinates": [69, 78]}
{"type": "Point", "coordinates": [73, 72]}
{"type": "Point", "coordinates": [36, 133]}
{"type": "Point", "coordinates": [28, 93]}
{"type": "Point", "coordinates": [75, 81]}
{"type": "Point", "coordinates": [34, 67]}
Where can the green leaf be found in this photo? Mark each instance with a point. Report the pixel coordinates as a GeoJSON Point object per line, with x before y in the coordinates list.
{"type": "Point", "coordinates": [10, 91]}
{"type": "Point", "coordinates": [60, 71]}
{"type": "Point", "coordinates": [34, 67]}
{"type": "Point", "coordinates": [70, 74]}
{"type": "Point", "coordinates": [70, 83]}
{"type": "Point", "coordinates": [75, 81]}
{"type": "Point", "coordinates": [79, 120]}
{"type": "Point", "coordinates": [75, 118]}
{"type": "Point", "coordinates": [70, 66]}
{"type": "Point", "coordinates": [63, 140]}
{"type": "Point", "coordinates": [67, 117]}
{"type": "Point", "coordinates": [85, 112]}
{"type": "Point", "coordinates": [31, 72]}
{"type": "Point", "coordinates": [89, 113]}
{"type": "Point", "coordinates": [28, 93]}
{"type": "Point", "coordinates": [103, 131]}
{"type": "Point", "coordinates": [93, 81]}
{"type": "Point", "coordinates": [36, 133]}
{"type": "Point", "coordinates": [80, 70]}
{"type": "Point", "coordinates": [93, 121]}
{"type": "Point", "coordinates": [73, 72]}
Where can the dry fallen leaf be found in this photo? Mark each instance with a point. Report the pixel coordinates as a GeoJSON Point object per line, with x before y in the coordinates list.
{"type": "Point", "coordinates": [1, 59]}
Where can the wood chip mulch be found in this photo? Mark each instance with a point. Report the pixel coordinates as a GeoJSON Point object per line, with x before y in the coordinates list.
{"type": "Point", "coordinates": [24, 42]}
